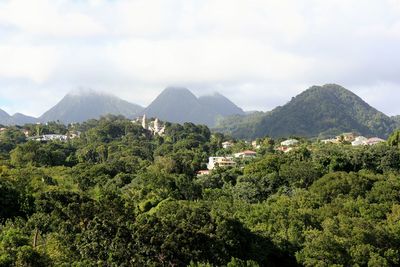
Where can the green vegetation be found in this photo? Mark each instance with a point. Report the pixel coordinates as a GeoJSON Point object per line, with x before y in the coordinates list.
{"type": "Point", "coordinates": [120, 196]}
{"type": "Point", "coordinates": [320, 111]}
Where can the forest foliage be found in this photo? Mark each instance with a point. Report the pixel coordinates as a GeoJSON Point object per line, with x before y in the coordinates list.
{"type": "Point", "coordinates": [120, 196]}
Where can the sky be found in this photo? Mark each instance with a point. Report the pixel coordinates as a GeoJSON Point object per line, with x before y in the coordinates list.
{"type": "Point", "coordinates": [258, 53]}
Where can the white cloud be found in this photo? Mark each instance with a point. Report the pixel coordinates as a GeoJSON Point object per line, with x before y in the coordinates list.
{"type": "Point", "coordinates": [257, 52]}
{"type": "Point", "coordinates": [204, 60]}
{"type": "Point", "coordinates": [49, 18]}
{"type": "Point", "coordinates": [32, 62]}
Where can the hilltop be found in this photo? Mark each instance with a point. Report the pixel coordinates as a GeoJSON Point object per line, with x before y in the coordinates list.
{"type": "Point", "coordinates": [318, 111]}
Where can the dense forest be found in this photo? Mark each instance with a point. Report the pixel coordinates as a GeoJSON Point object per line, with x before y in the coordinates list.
{"type": "Point", "coordinates": [120, 196]}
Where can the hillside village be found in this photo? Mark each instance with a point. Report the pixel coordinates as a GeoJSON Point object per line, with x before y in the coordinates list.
{"type": "Point", "coordinates": [284, 146]}
{"type": "Point", "coordinates": [233, 156]}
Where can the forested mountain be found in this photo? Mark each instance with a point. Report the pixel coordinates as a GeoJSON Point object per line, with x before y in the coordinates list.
{"type": "Point", "coordinates": [16, 119]}
{"type": "Point", "coordinates": [82, 105]}
{"type": "Point", "coordinates": [319, 111]}
{"type": "Point", "coordinates": [177, 104]}
{"type": "Point", "coordinates": [396, 120]}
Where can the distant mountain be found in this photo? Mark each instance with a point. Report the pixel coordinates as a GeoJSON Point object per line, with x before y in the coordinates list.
{"type": "Point", "coordinates": [178, 104]}
{"type": "Point", "coordinates": [220, 105]}
{"type": "Point", "coordinates": [87, 104]}
{"type": "Point", "coordinates": [4, 118]}
{"type": "Point", "coordinates": [21, 119]}
{"type": "Point", "coordinates": [396, 119]}
{"type": "Point", "coordinates": [16, 119]}
{"type": "Point", "coordinates": [319, 111]}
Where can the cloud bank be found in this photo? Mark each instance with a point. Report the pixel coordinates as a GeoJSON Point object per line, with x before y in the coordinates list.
{"type": "Point", "coordinates": [259, 53]}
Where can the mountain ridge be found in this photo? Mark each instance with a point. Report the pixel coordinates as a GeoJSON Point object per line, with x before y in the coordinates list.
{"type": "Point", "coordinates": [318, 111]}
{"type": "Point", "coordinates": [15, 119]}
{"type": "Point", "coordinates": [88, 104]}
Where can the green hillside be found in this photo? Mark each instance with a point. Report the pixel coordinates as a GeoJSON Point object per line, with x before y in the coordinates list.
{"type": "Point", "coordinates": [319, 111]}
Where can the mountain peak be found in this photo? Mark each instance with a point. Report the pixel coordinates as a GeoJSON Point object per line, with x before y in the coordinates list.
{"type": "Point", "coordinates": [174, 91]}
{"type": "Point", "coordinates": [179, 104]}
{"type": "Point", "coordinates": [323, 111]}
{"type": "Point", "coordinates": [83, 104]}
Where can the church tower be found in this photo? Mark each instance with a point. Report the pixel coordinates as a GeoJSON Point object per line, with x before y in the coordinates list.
{"type": "Point", "coordinates": [144, 122]}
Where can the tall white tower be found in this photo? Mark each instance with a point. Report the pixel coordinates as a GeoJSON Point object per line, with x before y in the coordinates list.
{"type": "Point", "coordinates": [156, 125]}
{"type": "Point", "coordinates": [144, 121]}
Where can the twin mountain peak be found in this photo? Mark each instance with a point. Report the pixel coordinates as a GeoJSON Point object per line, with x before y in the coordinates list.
{"type": "Point", "coordinates": [174, 104]}
{"type": "Point", "coordinates": [326, 110]}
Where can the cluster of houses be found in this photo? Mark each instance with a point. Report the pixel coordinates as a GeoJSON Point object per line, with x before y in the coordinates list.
{"type": "Point", "coordinates": [231, 161]}
{"type": "Point", "coordinates": [354, 139]}
{"type": "Point", "coordinates": [285, 146]}
{"type": "Point", "coordinates": [227, 161]}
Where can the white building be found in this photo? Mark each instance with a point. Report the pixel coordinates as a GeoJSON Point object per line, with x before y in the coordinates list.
{"type": "Point", "coordinates": [220, 162]}
{"type": "Point", "coordinates": [374, 140]}
{"type": "Point", "coordinates": [362, 141]}
{"type": "Point", "coordinates": [290, 142]}
{"type": "Point", "coordinates": [50, 137]}
{"type": "Point", "coordinates": [330, 141]}
{"type": "Point", "coordinates": [246, 154]}
{"type": "Point", "coordinates": [227, 144]}
{"type": "Point", "coordinates": [359, 141]}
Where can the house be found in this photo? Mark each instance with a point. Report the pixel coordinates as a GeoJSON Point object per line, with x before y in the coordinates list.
{"type": "Point", "coordinates": [49, 137]}
{"type": "Point", "coordinates": [246, 154]}
{"type": "Point", "coordinates": [227, 144]}
{"type": "Point", "coordinates": [54, 137]}
{"type": "Point", "coordinates": [374, 140]}
{"type": "Point", "coordinates": [363, 141]}
{"type": "Point", "coordinates": [220, 162]}
{"type": "Point", "coordinates": [203, 172]}
{"type": "Point", "coordinates": [359, 141]}
{"type": "Point", "coordinates": [290, 142]}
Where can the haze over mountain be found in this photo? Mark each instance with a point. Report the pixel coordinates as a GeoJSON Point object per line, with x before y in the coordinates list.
{"type": "Point", "coordinates": [82, 105]}
{"type": "Point", "coordinates": [21, 119]}
{"type": "Point", "coordinates": [16, 119]}
{"type": "Point", "coordinates": [174, 104]}
{"type": "Point", "coordinates": [319, 111]}
{"type": "Point", "coordinates": [178, 104]}
{"type": "Point", "coordinates": [4, 117]}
